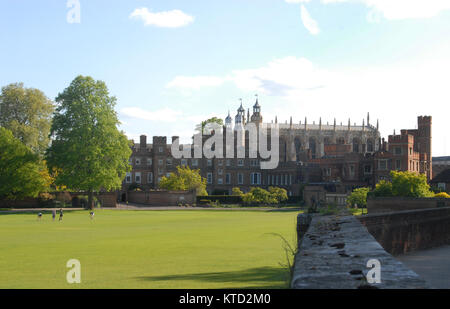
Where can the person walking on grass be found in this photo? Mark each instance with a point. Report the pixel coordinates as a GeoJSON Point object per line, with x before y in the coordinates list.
{"type": "Point", "coordinates": [92, 214]}
{"type": "Point", "coordinates": [53, 214]}
{"type": "Point", "coordinates": [39, 216]}
{"type": "Point", "coordinates": [60, 214]}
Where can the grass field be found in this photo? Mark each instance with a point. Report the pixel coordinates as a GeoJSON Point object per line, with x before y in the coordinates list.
{"type": "Point", "coordinates": [147, 249]}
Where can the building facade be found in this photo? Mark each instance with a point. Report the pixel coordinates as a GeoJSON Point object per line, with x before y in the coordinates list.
{"type": "Point", "coordinates": [347, 155]}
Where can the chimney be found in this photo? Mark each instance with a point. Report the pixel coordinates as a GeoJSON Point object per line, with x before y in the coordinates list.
{"type": "Point", "coordinates": [143, 144]}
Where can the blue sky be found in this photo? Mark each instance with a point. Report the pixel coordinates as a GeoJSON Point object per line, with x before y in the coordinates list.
{"type": "Point", "coordinates": [173, 63]}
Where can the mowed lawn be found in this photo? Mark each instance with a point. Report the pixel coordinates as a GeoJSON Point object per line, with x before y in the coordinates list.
{"type": "Point", "coordinates": [147, 249]}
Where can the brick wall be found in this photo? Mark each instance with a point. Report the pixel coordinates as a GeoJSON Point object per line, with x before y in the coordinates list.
{"type": "Point", "coordinates": [407, 231]}
{"type": "Point", "coordinates": [393, 204]}
{"type": "Point", "coordinates": [161, 198]}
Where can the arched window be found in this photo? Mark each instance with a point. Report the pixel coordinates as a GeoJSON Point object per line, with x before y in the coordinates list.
{"type": "Point", "coordinates": [355, 145]}
{"type": "Point", "coordinates": [370, 145]}
{"type": "Point", "coordinates": [312, 146]}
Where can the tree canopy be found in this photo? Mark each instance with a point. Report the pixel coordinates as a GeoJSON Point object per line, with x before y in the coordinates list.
{"type": "Point", "coordinates": [358, 197]}
{"type": "Point", "coordinates": [22, 173]}
{"type": "Point", "coordinates": [27, 113]}
{"type": "Point", "coordinates": [258, 195]}
{"type": "Point", "coordinates": [203, 124]}
{"type": "Point", "coordinates": [184, 179]}
{"type": "Point", "coordinates": [88, 150]}
{"type": "Point", "coordinates": [406, 184]}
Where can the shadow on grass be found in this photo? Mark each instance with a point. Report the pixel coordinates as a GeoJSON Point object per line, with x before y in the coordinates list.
{"type": "Point", "coordinates": [286, 210]}
{"type": "Point", "coordinates": [253, 278]}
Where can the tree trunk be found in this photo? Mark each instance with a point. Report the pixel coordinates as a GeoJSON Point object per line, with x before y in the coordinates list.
{"type": "Point", "coordinates": [91, 199]}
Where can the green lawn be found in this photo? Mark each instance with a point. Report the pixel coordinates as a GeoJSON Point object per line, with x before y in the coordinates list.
{"type": "Point", "coordinates": [147, 249]}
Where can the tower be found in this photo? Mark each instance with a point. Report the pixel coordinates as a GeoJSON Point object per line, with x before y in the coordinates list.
{"type": "Point", "coordinates": [424, 126]}
{"type": "Point", "coordinates": [240, 116]}
{"type": "Point", "coordinates": [228, 121]}
{"type": "Point", "coordinates": [256, 117]}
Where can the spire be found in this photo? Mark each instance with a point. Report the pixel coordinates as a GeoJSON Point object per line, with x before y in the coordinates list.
{"type": "Point", "coordinates": [368, 119]}
{"type": "Point", "coordinates": [378, 125]}
{"type": "Point", "coordinates": [248, 114]}
{"type": "Point", "coordinates": [291, 122]}
{"type": "Point", "coordinates": [349, 124]}
{"type": "Point", "coordinates": [364, 125]}
{"type": "Point", "coordinates": [276, 119]}
{"type": "Point", "coordinates": [320, 123]}
{"type": "Point", "coordinates": [334, 125]}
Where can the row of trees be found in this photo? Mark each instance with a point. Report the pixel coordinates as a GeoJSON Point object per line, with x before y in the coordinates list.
{"type": "Point", "coordinates": [73, 143]}
{"type": "Point", "coordinates": [404, 184]}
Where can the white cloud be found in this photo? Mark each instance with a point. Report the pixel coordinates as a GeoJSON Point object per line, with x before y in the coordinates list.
{"type": "Point", "coordinates": [401, 9]}
{"type": "Point", "coordinates": [309, 22]}
{"type": "Point", "coordinates": [167, 19]}
{"type": "Point", "coordinates": [277, 78]}
{"type": "Point", "coordinates": [161, 115]}
{"type": "Point", "coordinates": [396, 94]}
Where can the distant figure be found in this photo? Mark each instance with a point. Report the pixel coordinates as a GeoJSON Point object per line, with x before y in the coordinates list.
{"type": "Point", "coordinates": [39, 216]}
{"type": "Point", "coordinates": [54, 214]}
{"type": "Point", "coordinates": [92, 214]}
{"type": "Point", "coordinates": [60, 214]}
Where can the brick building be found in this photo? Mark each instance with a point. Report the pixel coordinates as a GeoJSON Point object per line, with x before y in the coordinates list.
{"type": "Point", "coordinates": [348, 155]}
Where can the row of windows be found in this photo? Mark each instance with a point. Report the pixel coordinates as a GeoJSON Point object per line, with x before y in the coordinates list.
{"type": "Point", "coordinates": [255, 179]}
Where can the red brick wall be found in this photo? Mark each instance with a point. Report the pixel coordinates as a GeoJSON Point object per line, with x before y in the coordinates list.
{"type": "Point", "coordinates": [393, 204]}
{"type": "Point", "coordinates": [407, 231]}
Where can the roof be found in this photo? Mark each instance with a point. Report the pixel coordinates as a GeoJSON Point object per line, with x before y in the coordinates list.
{"type": "Point", "coordinates": [444, 176]}
{"type": "Point", "coordinates": [437, 159]}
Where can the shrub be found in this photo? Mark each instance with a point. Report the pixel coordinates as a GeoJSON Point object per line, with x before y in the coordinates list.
{"type": "Point", "coordinates": [442, 195]}
{"type": "Point", "coordinates": [279, 194]}
{"type": "Point", "coordinates": [382, 189]}
{"type": "Point", "coordinates": [358, 197]}
{"type": "Point", "coordinates": [237, 192]}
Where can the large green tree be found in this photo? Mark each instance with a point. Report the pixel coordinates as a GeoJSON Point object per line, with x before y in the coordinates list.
{"type": "Point", "coordinates": [88, 151]}
{"type": "Point", "coordinates": [185, 179]}
{"type": "Point", "coordinates": [22, 173]}
{"type": "Point", "coordinates": [27, 113]}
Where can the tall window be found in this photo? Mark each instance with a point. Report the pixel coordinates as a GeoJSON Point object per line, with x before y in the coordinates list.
{"type": "Point", "coordinates": [137, 177]}
{"type": "Point", "coordinates": [382, 165]}
{"type": "Point", "coordinates": [255, 178]}
{"type": "Point", "coordinates": [240, 178]}
{"type": "Point", "coordinates": [209, 178]}
{"type": "Point", "coordinates": [150, 177]}
{"type": "Point", "coordinates": [228, 179]}
{"type": "Point", "coordinates": [128, 178]}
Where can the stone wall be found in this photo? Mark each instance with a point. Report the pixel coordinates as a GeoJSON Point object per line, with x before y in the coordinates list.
{"type": "Point", "coordinates": [393, 204]}
{"type": "Point", "coordinates": [407, 231]}
{"type": "Point", "coordinates": [161, 198]}
{"type": "Point", "coordinates": [334, 252]}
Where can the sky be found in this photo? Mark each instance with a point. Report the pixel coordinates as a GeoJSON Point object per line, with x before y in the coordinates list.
{"type": "Point", "coordinates": [174, 63]}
